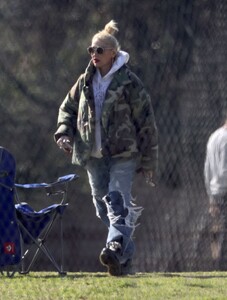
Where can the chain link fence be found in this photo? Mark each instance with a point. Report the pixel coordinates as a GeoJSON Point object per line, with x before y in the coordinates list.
{"type": "Point", "coordinates": [179, 50]}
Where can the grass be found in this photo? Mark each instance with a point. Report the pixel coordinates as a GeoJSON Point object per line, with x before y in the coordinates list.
{"type": "Point", "coordinates": [100, 286]}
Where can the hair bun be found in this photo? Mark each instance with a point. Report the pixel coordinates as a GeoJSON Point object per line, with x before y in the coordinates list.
{"type": "Point", "coordinates": [111, 27]}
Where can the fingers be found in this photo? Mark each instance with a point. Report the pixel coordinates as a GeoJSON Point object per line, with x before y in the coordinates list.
{"type": "Point", "coordinates": [148, 175]}
{"type": "Point", "coordinates": [64, 143]}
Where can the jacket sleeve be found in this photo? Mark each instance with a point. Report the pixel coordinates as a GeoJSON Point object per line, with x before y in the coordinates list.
{"type": "Point", "coordinates": [67, 115]}
{"type": "Point", "coordinates": [144, 120]}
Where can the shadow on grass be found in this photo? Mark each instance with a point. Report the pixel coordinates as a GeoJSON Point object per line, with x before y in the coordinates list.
{"type": "Point", "coordinates": [78, 275]}
{"type": "Point", "coordinates": [47, 275]}
{"type": "Point", "coordinates": [75, 275]}
{"type": "Point", "coordinates": [190, 275]}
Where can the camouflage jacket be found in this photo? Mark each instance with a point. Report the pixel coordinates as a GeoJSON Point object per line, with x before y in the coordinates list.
{"type": "Point", "coordinates": [128, 127]}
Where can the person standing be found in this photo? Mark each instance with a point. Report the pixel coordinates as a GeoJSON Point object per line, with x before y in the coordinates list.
{"type": "Point", "coordinates": [215, 174]}
{"type": "Point", "coordinates": [107, 123]}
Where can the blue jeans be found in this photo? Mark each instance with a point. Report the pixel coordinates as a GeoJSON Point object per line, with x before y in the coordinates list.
{"type": "Point", "coordinates": [111, 183]}
{"type": "Point", "coordinates": [218, 223]}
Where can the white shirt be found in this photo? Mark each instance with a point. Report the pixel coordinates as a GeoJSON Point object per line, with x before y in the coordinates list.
{"type": "Point", "coordinates": [100, 85]}
{"type": "Point", "coordinates": [215, 169]}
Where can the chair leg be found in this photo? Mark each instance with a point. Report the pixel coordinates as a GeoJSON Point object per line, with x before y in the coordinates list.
{"type": "Point", "coordinates": [62, 246]}
{"type": "Point", "coordinates": [9, 271]}
{"type": "Point", "coordinates": [41, 247]}
{"type": "Point", "coordinates": [24, 270]}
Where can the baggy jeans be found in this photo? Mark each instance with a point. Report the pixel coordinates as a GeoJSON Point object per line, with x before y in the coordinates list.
{"type": "Point", "coordinates": [111, 184]}
{"type": "Point", "coordinates": [217, 222]}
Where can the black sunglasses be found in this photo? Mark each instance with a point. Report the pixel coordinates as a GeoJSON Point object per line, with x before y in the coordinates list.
{"type": "Point", "coordinates": [99, 50]}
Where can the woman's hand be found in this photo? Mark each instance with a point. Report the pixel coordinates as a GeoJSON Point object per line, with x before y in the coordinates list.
{"type": "Point", "coordinates": [64, 143]}
{"type": "Point", "coordinates": [148, 175]}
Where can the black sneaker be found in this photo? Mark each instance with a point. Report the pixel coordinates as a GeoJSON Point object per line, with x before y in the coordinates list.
{"type": "Point", "coordinates": [108, 258]}
{"type": "Point", "coordinates": [127, 268]}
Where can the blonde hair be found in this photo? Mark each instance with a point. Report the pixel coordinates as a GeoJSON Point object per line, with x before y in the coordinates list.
{"type": "Point", "coordinates": [111, 27]}
{"type": "Point", "coordinates": [107, 35]}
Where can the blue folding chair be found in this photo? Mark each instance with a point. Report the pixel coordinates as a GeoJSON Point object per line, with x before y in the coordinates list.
{"type": "Point", "coordinates": [32, 228]}
{"type": "Point", "coordinates": [10, 249]}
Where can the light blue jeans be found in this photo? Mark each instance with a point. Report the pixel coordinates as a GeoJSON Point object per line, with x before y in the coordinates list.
{"type": "Point", "coordinates": [111, 184]}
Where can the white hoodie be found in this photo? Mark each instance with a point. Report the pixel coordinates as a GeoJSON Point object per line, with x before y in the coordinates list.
{"type": "Point", "coordinates": [100, 85]}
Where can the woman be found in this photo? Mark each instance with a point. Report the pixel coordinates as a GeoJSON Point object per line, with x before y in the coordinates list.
{"type": "Point", "coordinates": [106, 121]}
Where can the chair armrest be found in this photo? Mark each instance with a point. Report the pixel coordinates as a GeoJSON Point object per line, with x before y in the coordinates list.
{"type": "Point", "coordinates": [63, 179]}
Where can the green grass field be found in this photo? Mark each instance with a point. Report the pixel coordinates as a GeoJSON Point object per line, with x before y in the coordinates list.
{"type": "Point", "coordinates": [92, 286]}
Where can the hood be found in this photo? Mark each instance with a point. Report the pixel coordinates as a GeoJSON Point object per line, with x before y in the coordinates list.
{"type": "Point", "coordinates": [121, 59]}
